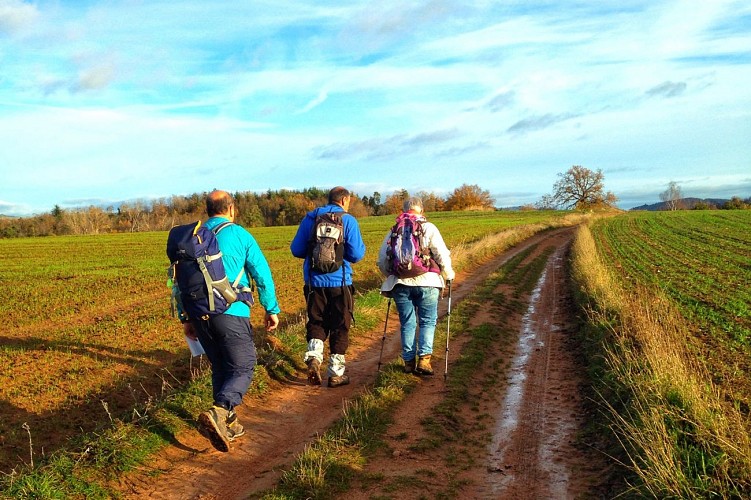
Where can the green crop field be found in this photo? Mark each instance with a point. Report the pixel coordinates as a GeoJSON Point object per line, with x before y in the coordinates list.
{"type": "Point", "coordinates": [702, 261]}
{"type": "Point", "coordinates": [87, 319]}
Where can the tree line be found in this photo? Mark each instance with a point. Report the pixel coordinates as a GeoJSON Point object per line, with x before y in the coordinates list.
{"type": "Point", "coordinates": [272, 208]}
{"type": "Point", "coordinates": [578, 188]}
{"type": "Point", "coordinates": [673, 199]}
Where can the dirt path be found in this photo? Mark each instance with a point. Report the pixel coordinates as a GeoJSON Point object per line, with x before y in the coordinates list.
{"type": "Point", "coordinates": [535, 413]}
{"type": "Point", "coordinates": [533, 452]}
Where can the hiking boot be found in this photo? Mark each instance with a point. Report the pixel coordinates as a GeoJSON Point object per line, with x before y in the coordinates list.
{"type": "Point", "coordinates": [423, 366]}
{"type": "Point", "coordinates": [213, 425]}
{"type": "Point", "coordinates": [409, 366]}
{"type": "Point", "coordinates": [314, 371]}
{"type": "Point", "coordinates": [336, 381]}
{"type": "Point", "coordinates": [234, 427]}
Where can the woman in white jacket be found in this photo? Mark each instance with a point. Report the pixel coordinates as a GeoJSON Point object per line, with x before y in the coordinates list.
{"type": "Point", "coordinates": [415, 282]}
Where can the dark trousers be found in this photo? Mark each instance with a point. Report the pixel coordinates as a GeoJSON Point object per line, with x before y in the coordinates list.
{"type": "Point", "coordinates": [228, 342]}
{"type": "Point", "coordinates": [330, 315]}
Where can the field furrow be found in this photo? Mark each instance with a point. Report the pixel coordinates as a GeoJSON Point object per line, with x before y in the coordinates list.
{"type": "Point", "coordinates": [702, 261]}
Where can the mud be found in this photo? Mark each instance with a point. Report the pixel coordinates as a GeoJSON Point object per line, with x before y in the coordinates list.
{"type": "Point", "coordinates": [532, 453]}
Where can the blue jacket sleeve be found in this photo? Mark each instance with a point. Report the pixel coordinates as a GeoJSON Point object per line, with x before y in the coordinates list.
{"type": "Point", "coordinates": [299, 245]}
{"type": "Point", "coordinates": [354, 247]}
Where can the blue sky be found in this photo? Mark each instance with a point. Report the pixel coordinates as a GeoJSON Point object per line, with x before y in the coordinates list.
{"type": "Point", "coordinates": [109, 101]}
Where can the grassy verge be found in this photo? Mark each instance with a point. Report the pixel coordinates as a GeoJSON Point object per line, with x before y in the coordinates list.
{"type": "Point", "coordinates": [326, 467]}
{"type": "Point", "coordinates": [680, 438]}
{"type": "Point", "coordinates": [86, 467]}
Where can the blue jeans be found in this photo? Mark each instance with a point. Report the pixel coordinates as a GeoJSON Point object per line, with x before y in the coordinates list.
{"type": "Point", "coordinates": [228, 342]}
{"type": "Point", "coordinates": [425, 300]}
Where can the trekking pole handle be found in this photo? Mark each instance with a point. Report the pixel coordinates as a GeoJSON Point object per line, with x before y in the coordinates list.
{"type": "Point", "coordinates": [449, 285]}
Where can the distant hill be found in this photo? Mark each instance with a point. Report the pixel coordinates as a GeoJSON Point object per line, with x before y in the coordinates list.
{"type": "Point", "coordinates": [685, 203]}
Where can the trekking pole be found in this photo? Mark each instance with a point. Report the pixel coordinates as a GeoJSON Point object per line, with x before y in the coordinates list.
{"type": "Point", "coordinates": [448, 335]}
{"type": "Point", "coordinates": [385, 325]}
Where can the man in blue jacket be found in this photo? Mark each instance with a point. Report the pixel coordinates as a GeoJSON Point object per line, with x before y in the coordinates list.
{"type": "Point", "coordinates": [329, 295]}
{"type": "Point", "coordinates": [228, 338]}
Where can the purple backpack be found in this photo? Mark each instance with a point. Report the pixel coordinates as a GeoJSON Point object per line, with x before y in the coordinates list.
{"type": "Point", "coordinates": [406, 256]}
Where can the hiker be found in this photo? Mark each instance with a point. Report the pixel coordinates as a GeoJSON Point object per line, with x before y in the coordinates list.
{"type": "Point", "coordinates": [329, 240]}
{"type": "Point", "coordinates": [415, 281]}
{"type": "Point", "coordinates": [227, 338]}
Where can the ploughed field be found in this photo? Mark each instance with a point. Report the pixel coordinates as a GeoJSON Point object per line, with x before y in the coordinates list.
{"type": "Point", "coordinates": [702, 261]}
{"type": "Point", "coordinates": [88, 333]}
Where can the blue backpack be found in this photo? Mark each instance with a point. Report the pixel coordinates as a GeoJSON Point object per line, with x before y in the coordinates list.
{"type": "Point", "coordinates": [200, 287]}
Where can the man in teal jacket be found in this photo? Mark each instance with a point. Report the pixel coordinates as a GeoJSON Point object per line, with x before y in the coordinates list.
{"type": "Point", "coordinates": [329, 296]}
{"type": "Point", "coordinates": [228, 338]}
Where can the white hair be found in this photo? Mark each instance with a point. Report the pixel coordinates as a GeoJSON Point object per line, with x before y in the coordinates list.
{"type": "Point", "coordinates": [413, 203]}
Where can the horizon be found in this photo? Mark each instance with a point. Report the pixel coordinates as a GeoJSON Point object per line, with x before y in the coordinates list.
{"type": "Point", "coordinates": [116, 205]}
{"type": "Point", "coordinates": [109, 102]}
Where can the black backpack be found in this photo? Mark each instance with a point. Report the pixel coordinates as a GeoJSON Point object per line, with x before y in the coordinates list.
{"type": "Point", "coordinates": [327, 242]}
{"type": "Point", "coordinates": [196, 274]}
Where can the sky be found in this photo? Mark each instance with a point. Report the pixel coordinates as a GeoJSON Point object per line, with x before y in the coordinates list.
{"type": "Point", "coordinates": [110, 102]}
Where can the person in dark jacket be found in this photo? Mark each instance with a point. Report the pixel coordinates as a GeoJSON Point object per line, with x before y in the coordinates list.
{"type": "Point", "coordinates": [329, 296]}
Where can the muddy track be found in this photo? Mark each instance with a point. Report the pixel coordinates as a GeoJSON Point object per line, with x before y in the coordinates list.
{"type": "Point", "coordinates": [537, 411]}
{"type": "Point", "coordinates": [533, 452]}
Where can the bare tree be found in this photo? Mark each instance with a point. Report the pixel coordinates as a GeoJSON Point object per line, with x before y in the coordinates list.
{"type": "Point", "coordinates": [672, 196]}
{"type": "Point", "coordinates": [580, 187]}
{"type": "Point", "coordinates": [547, 202]}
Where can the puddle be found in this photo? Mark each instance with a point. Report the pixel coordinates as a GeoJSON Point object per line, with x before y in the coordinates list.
{"type": "Point", "coordinates": [524, 439]}
{"type": "Point", "coordinates": [508, 420]}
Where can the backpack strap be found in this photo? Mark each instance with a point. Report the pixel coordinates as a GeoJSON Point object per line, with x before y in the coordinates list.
{"type": "Point", "coordinates": [207, 278]}
{"type": "Point", "coordinates": [221, 226]}
{"type": "Point", "coordinates": [210, 258]}
{"type": "Point", "coordinates": [238, 278]}
{"type": "Point", "coordinates": [236, 283]}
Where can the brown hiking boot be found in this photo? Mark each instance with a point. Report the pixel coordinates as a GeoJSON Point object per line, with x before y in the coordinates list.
{"type": "Point", "coordinates": [336, 381]}
{"type": "Point", "coordinates": [314, 371]}
{"type": "Point", "coordinates": [423, 366]}
{"type": "Point", "coordinates": [409, 366]}
{"type": "Point", "coordinates": [213, 425]}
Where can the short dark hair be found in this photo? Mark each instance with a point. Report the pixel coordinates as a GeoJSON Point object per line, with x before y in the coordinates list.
{"type": "Point", "coordinates": [218, 202]}
{"type": "Point", "coordinates": [337, 194]}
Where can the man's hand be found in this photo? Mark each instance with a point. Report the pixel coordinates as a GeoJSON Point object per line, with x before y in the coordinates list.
{"type": "Point", "coordinates": [189, 331]}
{"type": "Point", "coordinates": [272, 321]}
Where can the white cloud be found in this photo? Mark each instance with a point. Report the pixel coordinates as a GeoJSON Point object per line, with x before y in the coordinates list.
{"type": "Point", "coordinates": [322, 96]}
{"type": "Point", "coordinates": [95, 78]}
{"type": "Point", "coordinates": [16, 16]}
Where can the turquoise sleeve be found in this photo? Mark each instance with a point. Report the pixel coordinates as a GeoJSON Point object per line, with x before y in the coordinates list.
{"type": "Point", "coordinates": [258, 268]}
